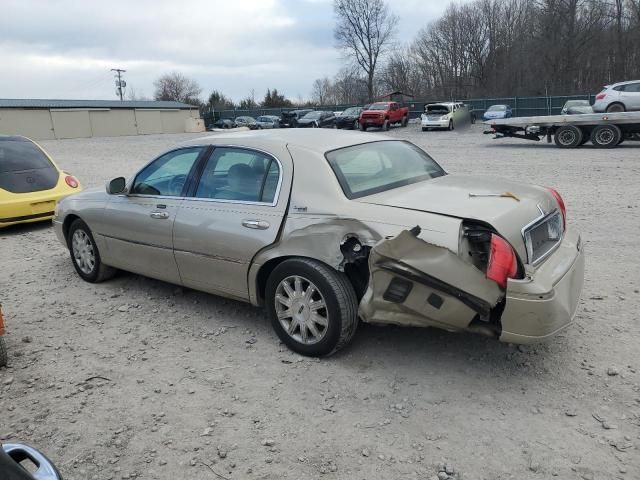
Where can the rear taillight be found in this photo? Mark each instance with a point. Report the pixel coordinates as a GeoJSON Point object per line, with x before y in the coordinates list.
{"type": "Point", "coordinates": [503, 263]}
{"type": "Point", "coordinates": [71, 181]}
{"type": "Point", "coordinates": [561, 206]}
{"type": "Point", "coordinates": [601, 96]}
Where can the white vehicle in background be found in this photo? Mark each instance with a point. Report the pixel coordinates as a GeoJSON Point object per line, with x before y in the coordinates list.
{"type": "Point", "coordinates": [618, 97]}
{"type": "Point", "coordinates": [445, 115]}
{"type": "Point", "coordinates": [268, 121]}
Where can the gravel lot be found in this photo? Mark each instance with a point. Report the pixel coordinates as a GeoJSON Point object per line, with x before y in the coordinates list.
{"type": "Point", "coordinates": [135, 378]}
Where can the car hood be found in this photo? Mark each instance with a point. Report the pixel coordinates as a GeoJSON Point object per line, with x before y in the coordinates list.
{"type": "Point", "coordinates": [464, 196]}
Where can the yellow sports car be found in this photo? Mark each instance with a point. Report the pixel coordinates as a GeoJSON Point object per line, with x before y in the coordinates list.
{"type": "Point", "coordinates": [30, 183]}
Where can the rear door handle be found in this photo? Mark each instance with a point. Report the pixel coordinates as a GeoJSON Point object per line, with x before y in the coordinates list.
{"type": "Point", "coordinates": [255, 224]}
{"type": "Point", "coordinates": [159, 215]}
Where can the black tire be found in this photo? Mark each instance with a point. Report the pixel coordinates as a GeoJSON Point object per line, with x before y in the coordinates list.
{"type": "Point", "coordinates": [339, 297]}
{"type": "Point", "coordinates": [4, 358]}
{"type": "Point", "coordinates": [386, 125]}
{"type": "Point", "coordinates": [356, 124]}
{"type": "Point", "coordinates": [451, 127]}
{"type": "Point", "coordinates": [363, 128]}
{"type": "Point", "coordinates": [616, 108]}
{"type": "Point", "coordinates": [314, 125]}
{"type": "Point", "coordinates": [568, 136]}
{"type": "Point", "coordinates": [99, 272]}
{"type": "Point", "coordinates": [606, 136]}
{"type": "Point", "coordinates": [405, 121]}
{"type": "Point", "coordinates": [424, 129]}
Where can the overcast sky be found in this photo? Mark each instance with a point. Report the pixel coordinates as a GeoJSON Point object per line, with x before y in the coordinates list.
{"type": "Point", "coordinates": [65, 48]}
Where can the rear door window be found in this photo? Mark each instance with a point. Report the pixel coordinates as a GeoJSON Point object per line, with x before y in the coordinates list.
{"type": "Point", "coordinates": [240, 175]}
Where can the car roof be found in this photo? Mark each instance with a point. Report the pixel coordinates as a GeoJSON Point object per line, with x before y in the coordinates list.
{"type": "Point", "coordinates": [627, 82]}
{"type": "Point", "coordinates": [317, 139]}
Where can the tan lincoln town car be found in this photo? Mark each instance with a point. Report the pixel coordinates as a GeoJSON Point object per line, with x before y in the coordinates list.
{"type": "Point", "coordinates": [326, 228]}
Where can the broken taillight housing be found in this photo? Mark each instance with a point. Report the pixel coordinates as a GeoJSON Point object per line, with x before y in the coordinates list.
{"type": "Point", "coordinates": [561, 206]}
{"type": "Point", "coordinates": [503, 263]}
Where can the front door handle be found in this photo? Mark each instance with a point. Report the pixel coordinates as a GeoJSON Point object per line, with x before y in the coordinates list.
{"type": "Point", "coordinates": [256, 224]}
{"type": "Point", "coordinates": [159, 215]}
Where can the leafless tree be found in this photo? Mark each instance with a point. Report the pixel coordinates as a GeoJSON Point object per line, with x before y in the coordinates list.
{"type": "Point", "coordinates": [175, 86]}
{"type": "Point", "coordinates": [364, 31]}
{"type": "Point", "coordinates": [322, 91]}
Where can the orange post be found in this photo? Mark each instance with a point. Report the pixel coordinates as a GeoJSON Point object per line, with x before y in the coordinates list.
{"type": "Point", "coordinates": [1, 322]}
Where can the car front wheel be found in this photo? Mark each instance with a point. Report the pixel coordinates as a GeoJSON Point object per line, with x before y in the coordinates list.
{"type": "Point", "coordinates": [85, 255]}
{"type": "Point", "coordinates": [313, 308]}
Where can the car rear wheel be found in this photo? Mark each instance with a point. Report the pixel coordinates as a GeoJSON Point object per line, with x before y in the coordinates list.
{"type": "Point", "coordinates": [363, 128]}
{"type": "Point", "coordinates": [606, 136]}
{"type": "Point", "coordinates": [356, 124]}
{"type": "Point", "coordinates": [386, 125]}
{"type": "Point", "coordinates": [568, 136]}
{"type": "Point", "coordinates": [405, 120]}
{"type": "Point", "coordinates": [424, 129]}
{"type": "Point", "coordinates": [616, 108]}
{"type": "Point", "coordinates": [313, 308]}
{"type": "Point", "coordinates": [85, 255]}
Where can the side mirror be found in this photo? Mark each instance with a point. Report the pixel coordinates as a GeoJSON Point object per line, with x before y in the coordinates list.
{"type": "Point", "coordinates": [116, 186]}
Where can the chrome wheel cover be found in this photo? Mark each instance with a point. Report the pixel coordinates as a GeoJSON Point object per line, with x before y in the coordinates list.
{"type": "Point", "coordinates": [83, 252]}
{"type": "Point", "coordinates": [301, 310]}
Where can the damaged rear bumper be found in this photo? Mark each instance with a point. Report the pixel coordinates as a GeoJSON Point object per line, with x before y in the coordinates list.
{"type": "Point", "coordinates": [545, 302]}
{"type": "Point", "coordinates": [416, 283]}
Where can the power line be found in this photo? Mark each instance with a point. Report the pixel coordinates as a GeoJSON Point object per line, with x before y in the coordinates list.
{"type": "Point", "coordinates": [120, 84]}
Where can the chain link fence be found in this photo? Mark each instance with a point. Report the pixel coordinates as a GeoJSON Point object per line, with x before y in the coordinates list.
{"type": "Point", "coordinates": [521, 107]}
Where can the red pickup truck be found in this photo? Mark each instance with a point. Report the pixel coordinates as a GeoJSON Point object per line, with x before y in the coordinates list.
{"type": "Point", "coordinates": [383, 114]}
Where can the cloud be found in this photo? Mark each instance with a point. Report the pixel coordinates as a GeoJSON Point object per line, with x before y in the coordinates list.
{"type": "Point", "coordinates": [64, 49]}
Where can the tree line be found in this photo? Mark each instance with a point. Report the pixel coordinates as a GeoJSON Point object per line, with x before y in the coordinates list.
{"type": "Point", "coordinates": [486, 48]}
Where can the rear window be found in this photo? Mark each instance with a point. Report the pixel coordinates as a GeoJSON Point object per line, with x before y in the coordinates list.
{"type": "Point", "coordinates": [379, 166]}
{"type": "Point", "coordinates": [18, 155]}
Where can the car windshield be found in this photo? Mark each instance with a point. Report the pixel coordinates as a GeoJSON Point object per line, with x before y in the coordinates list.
{"type": "Point", "coordinates": [497, 108]}
{"type": "Point", "coordinates": [17, 154]}
{"type": "Point", "coordinates": [379, 106]}
{"type": "Point", "coordinates": [439, 109]}
{"type": "Point", "coordinates": [312, 115]}
{"type": "Point", "coordinates": [379, 166]}
{"type": "Point", "coordinates": [351, 111]}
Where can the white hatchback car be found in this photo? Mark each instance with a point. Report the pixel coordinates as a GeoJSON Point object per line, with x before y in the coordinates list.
{"type": "Point", "coordinates": [618, 97]}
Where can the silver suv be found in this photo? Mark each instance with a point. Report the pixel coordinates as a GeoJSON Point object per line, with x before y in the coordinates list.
{"type": "Point", "coordinates": [618, 97]}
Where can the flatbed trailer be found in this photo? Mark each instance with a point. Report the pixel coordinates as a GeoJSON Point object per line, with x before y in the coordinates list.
{"type": "Point", "coordinates": [604, 130]}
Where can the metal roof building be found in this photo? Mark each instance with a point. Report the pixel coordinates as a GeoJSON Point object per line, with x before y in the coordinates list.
{"type": "Point", "coordinates": [51, 119]}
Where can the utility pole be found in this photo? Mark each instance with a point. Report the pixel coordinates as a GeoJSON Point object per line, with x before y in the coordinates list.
{"type": "Point", "coordinates": [120, 84]}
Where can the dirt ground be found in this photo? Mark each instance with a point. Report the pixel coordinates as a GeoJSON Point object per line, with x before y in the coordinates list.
{"type": "Point", "coordinates": [135, 378]}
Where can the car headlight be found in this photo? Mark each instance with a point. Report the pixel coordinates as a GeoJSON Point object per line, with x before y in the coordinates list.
{"type": "Point", "coordinates": [444, 117]}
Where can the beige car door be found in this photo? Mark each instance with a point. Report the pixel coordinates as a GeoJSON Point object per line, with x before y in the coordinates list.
{"type": "Point", "coordinates": [137, 227]}
{"type": "Point", "coordinates": [235, 211]}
